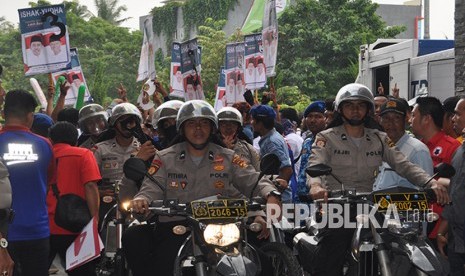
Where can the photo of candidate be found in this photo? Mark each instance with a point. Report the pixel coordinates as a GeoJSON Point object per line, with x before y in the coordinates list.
{"type": "Point", "coordinates": [190, 88]}
{"type": "Point", "coordinates": [260, 73]}
{"type": "Point", "coordinates": [56, 50]}
{"type": "Point", "coordinates": [176, 79]}
{"type": "Point", "coordinates": [34, 53]}
{"type": "Point", "coordinates": [240, 87]}
{"type": "Point", "coordinates": [270, 44]}
{"type": "Point", "coordinates": [220, 101]}
{"type": "Point", "coordinates": [250, 72]}
{"type": "Point", "coordinates": [231, 89]}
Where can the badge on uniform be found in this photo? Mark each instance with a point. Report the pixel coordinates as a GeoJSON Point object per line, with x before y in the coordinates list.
{"type": "Point", "coordinates": [437, 151]}
{"type": "Point", "coordinates": [183, 184]}
{"type": "Point", "coordinates": [389, 142]}
{"type": "Point", "coordinates": [239, 161]}
{"type": "Point", "coordinates": [219, 184]}
{"type": "Point", "coordinates": [106, 165]}
{"type": "Point", "coordinates": [320, 142]}
{"type": "Point", "coordinates": [154, 167]}
{"type": "Point", "coordinates": [218, 163]}
{"type": "Point", "coordinates": [174, 184]}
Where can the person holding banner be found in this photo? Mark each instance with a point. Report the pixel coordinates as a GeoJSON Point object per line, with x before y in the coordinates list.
{"type": "Point", "coordinates": [78, 174]}
{"type": "Point", "coordinates": [34, 54]}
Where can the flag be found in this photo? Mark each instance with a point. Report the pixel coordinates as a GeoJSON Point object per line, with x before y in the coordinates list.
{"type": "Point", "coordinates": [147, 54]}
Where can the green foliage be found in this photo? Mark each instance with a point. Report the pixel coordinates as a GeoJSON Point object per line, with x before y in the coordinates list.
{"type": "Point", "coordinates": [195, 12]}
{"type": "Point", "coordinates": [110, 11]}
{"type": "Point", "coordinates": [319, 42]}
{"type": "Point", "coordinates": [291, 96]}
{"type": "Point", "coordinates": [213, 41]}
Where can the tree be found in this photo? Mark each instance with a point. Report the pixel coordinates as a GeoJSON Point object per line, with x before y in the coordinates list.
{"type": "Point", "coordinates": [80, 10]}
{"type": "Point", "coordinates": [213, 41]}
{"type": "Point", "coordinates": [109, 11]}
{"type": "Point", "coordinates": [319, 42]}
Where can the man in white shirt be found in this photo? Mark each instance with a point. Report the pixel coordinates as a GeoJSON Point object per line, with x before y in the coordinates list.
{"type": "Point", "coordinates": [34, 53]}
{"type": "Point", "coordinates": [56, 52]}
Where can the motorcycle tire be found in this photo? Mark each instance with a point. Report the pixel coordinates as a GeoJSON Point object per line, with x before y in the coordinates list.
{"type": "Point", "coordinates": [283, 261]}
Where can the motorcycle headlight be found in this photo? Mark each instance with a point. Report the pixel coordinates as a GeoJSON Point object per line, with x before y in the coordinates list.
{"type": "Point", "coordinates": [125, 205]}
{"type": "Point", "coordinates": [221, 234]}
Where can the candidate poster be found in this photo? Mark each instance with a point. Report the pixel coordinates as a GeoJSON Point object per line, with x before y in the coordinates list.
{"type": "Point", "coordinates": [254, 68]}
{"type": "Point", "coordinates": [44, 39]}
{"type": "Point", "coordinates": [147, 55]}
{"type": "Point", "coordinates": [75, 77]}
{"type": "Point", "coordinates": [176, 79]}
{"type": "Point", "coordinates": [190, 69]}
{"type": "Point", "coordinates": [220, 100]}
{"type": "Point", "coordinates": [234, 73]}
{"type": "Point", "coordinates": [270, 37]}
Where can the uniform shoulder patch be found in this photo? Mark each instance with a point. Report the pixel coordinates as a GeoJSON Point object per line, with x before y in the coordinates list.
{"type": "Point", "coordinates": [154, 167]}
{"type": "Point", "coordinates": [389, 142]}
{"type": "Point", "coordinates": [320, 142]}
{"type": "Point", "coordinates": [237, 160]}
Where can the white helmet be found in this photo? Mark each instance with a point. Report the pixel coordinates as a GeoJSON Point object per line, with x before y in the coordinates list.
{"type": "Point", "coordinates": [354, 92]}
{"type": "Point", "coordinates": [166, 110]}
{"type": "Point", "coordinates": [93, 119]}
{"type": "Point", "coordinates": [195, 109]}
{"type": "Point", "coordinates": [229, 114]}
{"type": "Point", "coordinates": [124, 109]}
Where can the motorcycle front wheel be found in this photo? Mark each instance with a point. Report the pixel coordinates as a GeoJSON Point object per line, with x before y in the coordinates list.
{"type": "Point", "coordinates": [282, 259]}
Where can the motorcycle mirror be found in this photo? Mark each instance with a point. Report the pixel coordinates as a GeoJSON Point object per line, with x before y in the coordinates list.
{"type": "Point", "coordinates": [270, 164]}
{"type": "Point", "coordinates": [444, 170]}
{"type": "Point", "coordinates": [134, 169]}
{"type": "Point", "coordinates": [318, 170]}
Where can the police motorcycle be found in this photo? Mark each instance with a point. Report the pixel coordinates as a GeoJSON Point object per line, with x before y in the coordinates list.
{"type": "Point", "coordinates": [218, 240]}
{"type": "Point", "coordinates": [399, 247]}
{"type": "Point", "coordinates": [114, 223]}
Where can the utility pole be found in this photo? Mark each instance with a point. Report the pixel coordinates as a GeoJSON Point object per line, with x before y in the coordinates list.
{"type": "Point", "coordinates": [426, 20]}
{"type": "Point", "coordinates": [460, 47]}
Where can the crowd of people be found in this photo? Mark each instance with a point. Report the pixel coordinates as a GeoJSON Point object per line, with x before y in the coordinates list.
{"type": "Point", "coordinates": [372, 141]}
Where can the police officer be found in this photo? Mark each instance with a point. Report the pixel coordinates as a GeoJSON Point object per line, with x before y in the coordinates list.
{"type": "Point", "coordinates": [355, 151]}
{"type": "Point", "coordinates": [93, 120]}
{"type": "Point", "coordinates": [111, 154]}
{"type": "Point", "coordinates": [189, 170]}
{"type": "Point", "coordinates": [230, 129]}
{"type": "Point", "coordinates": [164, 120]}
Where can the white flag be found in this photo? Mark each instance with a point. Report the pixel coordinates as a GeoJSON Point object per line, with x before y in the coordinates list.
{"type": "Point", "coordinates": [147, 54]}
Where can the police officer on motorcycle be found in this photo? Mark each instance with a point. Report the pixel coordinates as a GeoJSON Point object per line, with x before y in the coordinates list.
{"type": "Point", "coordinates": [355, 150]}
{"type": "Point", "coordinates": [164, 120]}
{"type": "Point", "coordinates": [194, 168]}
{"type": "Point", "coordinates": [93, 120]}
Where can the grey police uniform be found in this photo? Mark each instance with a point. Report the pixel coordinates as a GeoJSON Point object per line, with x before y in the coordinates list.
{"type": "Point", "coordinates": [248, 152]}
{"type": "Point", "coordinates": [5, 199]}
{"type": "Point", "coordinates": [111, 157]}
{"type": "Point", "coordinates": [220, 172]}
{"type": "Point", "coordinates": [357, 167]}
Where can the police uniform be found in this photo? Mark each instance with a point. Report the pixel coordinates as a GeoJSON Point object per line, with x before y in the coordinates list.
{"type": "Point", "coordinates": [356, 166]}
{"type": "Point", "coordinates": [248, 152]}
{"type": "Point", "coordinates": [110, 158]}
{"type": "Point", "coordinates": [220, 172]}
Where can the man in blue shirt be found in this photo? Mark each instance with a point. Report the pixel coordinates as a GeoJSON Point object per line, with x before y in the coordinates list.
{"type": "Point", "coordinates": [30, 162]}
{"type": "Point", "coordinates": [263, 120]}
{"type": "Point", "coordinates": [314, 119]}
{"type": "Point", "coordinates": [393, 120]}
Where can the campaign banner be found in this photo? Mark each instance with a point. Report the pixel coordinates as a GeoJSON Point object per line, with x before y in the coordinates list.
{"type": "Point", "coordinates": [75, 77]}
{"type": "Point", "coordinates": [44, 39]}
{"type": "Point", "coordinates": [270, 37]}
{"type": "Point", "coordinates": [253, 22]}
{"type": "Point", "coordinates": [85, 248]}
{"type": "Point", "coordinates": [220, 100]}
{"type": "Point", "coordinates": [176, 80]}
{"type": "Point", "coordinates": [254, 68]}
{"type": "Point", "coordinates": [190, 69]}
{"type": "Point", "coordinates": [234, 73]}
{"type": "Point", "coordinates": [147, 54]}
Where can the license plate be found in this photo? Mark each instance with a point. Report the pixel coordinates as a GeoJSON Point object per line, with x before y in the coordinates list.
{"type": "Point", "coordinates": [217, 209]}
{"type": "Point", "coordinates": [402, 201]}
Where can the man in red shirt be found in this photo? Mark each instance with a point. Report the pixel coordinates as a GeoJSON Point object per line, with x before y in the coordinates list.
{"type": "Point", "coordinates": [77, 173]}
{"type": "Point", "coordinates": [427, 121]}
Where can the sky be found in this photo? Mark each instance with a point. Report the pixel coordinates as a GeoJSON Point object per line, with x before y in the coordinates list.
{"type": "Point", "coordinates": [441, 18]}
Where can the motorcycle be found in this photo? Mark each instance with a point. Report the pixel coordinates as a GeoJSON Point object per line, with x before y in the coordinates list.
{"type": "Point", "coordinates": [218, 242]}
{"type": "Point", "coordinates": [389, 238]}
